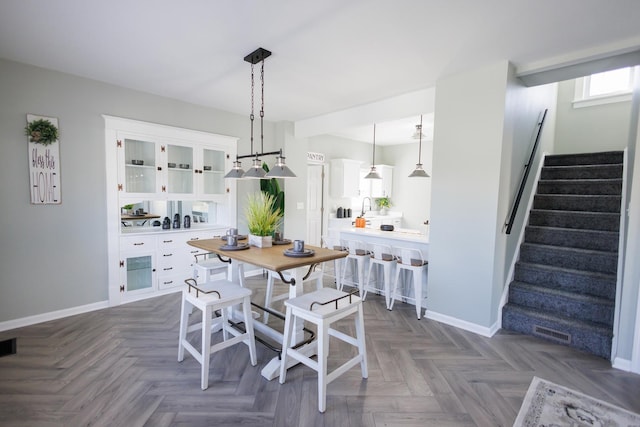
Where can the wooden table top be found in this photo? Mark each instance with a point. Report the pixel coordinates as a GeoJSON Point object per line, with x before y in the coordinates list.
{"type": "Point", "coordinates": [272, 258]}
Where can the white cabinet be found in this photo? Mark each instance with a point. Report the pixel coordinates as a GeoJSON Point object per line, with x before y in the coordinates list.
{"type": "Point", "coordinates": [377, 187]}
{"type": "Point", "coordinates": [159, 167]}
{"type": "Point", "coordinates": [345, 177]}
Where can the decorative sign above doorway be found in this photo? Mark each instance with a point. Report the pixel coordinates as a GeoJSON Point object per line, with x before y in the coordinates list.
{"type": "Point", "coordinates": [315, 157]}
{"type": "Point", "coordinates": [44, 160]}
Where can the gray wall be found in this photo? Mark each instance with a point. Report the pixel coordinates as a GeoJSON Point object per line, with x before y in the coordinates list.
{"type": "Point", "coordinates": [590, 129]}
{"type": "Point", "coordinates": [54, 257]}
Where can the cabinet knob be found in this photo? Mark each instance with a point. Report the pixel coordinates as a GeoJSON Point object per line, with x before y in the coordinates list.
{"type": "Point", "coordinates": [159, 168]}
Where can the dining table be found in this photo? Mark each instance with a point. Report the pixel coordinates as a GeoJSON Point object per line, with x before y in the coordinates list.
{"type": "Point", "coordinates": [297, 265]}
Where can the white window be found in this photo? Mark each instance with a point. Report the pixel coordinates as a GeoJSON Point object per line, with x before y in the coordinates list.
{"type": "Point", "coordinates": [604, 88]}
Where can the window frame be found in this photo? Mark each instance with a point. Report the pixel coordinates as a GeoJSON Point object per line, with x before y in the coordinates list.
{"type": "Point", "coordinates": [582, 84]}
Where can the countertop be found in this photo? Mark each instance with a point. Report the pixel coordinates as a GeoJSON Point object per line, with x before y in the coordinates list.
{"type": "Point", "coordinates": [404, 234]}
{"type": "Point", "coordinates": [159, 230]}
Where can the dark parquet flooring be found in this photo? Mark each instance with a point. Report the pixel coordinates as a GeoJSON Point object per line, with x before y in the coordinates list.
{"type": "Point", "coordinates": [118, 367]}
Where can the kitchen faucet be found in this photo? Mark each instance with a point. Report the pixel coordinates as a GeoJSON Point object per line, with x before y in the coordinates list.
{"type": "Point", "coordinates": [365, 198]}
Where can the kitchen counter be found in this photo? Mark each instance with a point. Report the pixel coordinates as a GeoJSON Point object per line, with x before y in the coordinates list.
{"type": "Point", "coordinates": [401, 234]}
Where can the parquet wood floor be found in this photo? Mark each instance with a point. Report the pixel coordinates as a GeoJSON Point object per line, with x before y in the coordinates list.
{"type": "Point", "coordinates": [118, 367]}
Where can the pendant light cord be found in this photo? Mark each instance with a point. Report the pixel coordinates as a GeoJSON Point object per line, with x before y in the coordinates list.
{"type": "Point", "coordinates": [262, 109]}
{"type": "Point", "coordinates": [251, 116]}
{"type": "Point", "coordinates": [373, 163]}
{"type": "Point", "coordinates": [420, 146]}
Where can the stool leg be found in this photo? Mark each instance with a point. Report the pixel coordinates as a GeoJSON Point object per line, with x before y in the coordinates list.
{"type": "Point", "coordinates": [323, 355]}
{"type": "Point", "coordinates": [268, 296]}
{"type": "Point", "coordinates": [206, 346]}
{"type": "Point", "coordinates": [417, 291]}
{"type": "Point", "coordinates": [368, 281]}
{"type": "Point", "coordinates": [286, 342]}
{"type": "Point", "coordinates": [184, 320]}
{"type": "Point", "coordinates": [387, 282]}
{"type": "Point", "coordinates": [362, 346]}
{"type": "Point", "coordinates": [248, 324]}
{"type": "Point", "coordinates": [361, 262]}
{"type": "Point", "coordinates": [345, 264]}
{"type": "Point", "coordinates": [336, 268]}
{"type": "Point", "coordinates": [395, 288]}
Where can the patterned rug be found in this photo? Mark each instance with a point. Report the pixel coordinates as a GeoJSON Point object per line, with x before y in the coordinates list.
{"type": "Point", "coordinates": [547, 404]}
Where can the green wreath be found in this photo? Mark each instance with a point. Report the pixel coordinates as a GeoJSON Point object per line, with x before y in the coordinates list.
{"type": "Point", "coordinates": [41, 131]}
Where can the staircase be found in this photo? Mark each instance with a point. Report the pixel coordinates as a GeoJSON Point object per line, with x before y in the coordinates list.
{"type": "Point", "coordinates": [565, 280]}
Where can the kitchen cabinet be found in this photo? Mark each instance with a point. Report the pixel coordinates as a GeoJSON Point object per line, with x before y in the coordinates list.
{"type": "Point", "coordinates": [164, 170]}
{"type": "Point", "coordinates": [345, 176]}
{"type": "Point", "coordinates": [377, 187]}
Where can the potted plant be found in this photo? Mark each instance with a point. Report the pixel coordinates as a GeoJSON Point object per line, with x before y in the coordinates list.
{"type": "Point", "coordinates": [262, 218]}
{"type": "Point", "coordinates": [41, 131]}
{"type": "Point", "coordinates": [384, 203]}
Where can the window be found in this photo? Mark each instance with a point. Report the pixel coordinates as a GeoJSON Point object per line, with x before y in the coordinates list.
{"type": "Point", "coordinates": [604, 88]}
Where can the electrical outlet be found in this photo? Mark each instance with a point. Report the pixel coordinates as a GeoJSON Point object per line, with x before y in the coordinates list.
{"type": "Point", "coordinates": [300, 205]}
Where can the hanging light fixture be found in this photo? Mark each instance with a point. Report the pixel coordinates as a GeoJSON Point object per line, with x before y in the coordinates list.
{"type": "Point", "coordinates": [280, 170]}
{"type": "Point", "coordinates": [419, 172]}
{"type": "Point", "coordinates": [373, 173]}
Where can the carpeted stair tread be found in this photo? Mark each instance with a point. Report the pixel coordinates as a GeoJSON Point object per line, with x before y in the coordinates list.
{"type": "Point", "coordinates": [599, 158]}
{"type": "Point", "coordinates": [591, 337]}
{"type": "Point", "coordinates": [583, 259]}
{"type": "Point", "coordinates": [571, 237]}
{"type": "Point", "coordinates": [567, 304]}
{"type": "Point", "coordinates": [605, 221]}
{"type": "Point", "coordinates": [574, 202]}
{"type": "Point", "coordinates": [582, 172]}
{"type": "Point", "coordinates": [586, 282]}
{"type": "Point", "coordinates": [591, 187]}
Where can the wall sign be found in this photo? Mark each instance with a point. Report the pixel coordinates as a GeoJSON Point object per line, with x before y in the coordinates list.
{"type": "Point", "coordinates": [44, 160]}
{"type": "Point", "coordinates": [315, 157]}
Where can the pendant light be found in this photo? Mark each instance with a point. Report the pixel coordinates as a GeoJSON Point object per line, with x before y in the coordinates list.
{"type": "Point", "coordinates": [280, 170]}
{"type": "Point", "coordinates": [373, 173]}
{"type": "Point", "coordinates": [419, 172]}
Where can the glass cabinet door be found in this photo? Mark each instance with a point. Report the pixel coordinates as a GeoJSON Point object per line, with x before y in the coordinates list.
{"type": "Point", "coordinates": [140, 166]}
{"type": "Point", "coordinates": [213, 166]}
{"type": "Point", "coordinates": [180, 169]}
{"type": "Point", "coordinates": [139, 273]}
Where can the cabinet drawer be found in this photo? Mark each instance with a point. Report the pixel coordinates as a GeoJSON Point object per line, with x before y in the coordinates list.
{"type": "Point", "coordinates": [172, 240]}
{"type": "Point", "coordinates": [137, 242]}
{"type": "Point", "coordinates": [170, 281]}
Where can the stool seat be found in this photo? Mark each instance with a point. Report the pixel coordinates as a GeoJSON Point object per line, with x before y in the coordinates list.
{"type": "Point", "coordinates": [209, 297]}
{"type": "Point", "coordinates": [322, 308]}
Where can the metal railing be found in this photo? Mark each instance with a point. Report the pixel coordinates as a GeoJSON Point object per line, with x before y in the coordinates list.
{"type": "Point", "coordinates": [527, 168]}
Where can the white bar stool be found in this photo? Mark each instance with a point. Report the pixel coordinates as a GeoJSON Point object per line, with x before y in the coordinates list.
{"type": "Point", "coordinates": [322, 308]}
{"type": "Point", "coordinates": [335, 271]}
{"type": "Point", "coordinates": [413, 261]}
{"type": "Point", "coordinates": [208, 269]}
{"type": "Point", "coordinates": [358, 255]}
{"type": "Point", "coordinates": [269, 299]}
{"type": "Point", "coordinates": [212, 296]}
{"type": "Point", "coordinates": [381, 256]}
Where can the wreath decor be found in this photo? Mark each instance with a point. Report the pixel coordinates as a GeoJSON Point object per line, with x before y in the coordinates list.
{"type": "Point", "coordinates": [41, 131]}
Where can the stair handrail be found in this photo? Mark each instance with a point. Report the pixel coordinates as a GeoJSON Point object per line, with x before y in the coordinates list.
{"type": "Point", "coordinates": [527, 168]}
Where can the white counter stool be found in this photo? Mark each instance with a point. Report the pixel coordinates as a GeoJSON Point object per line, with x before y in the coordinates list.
{"type": "Point", "coordinates": [358, 258]}
{"type": "Point", "coordinates": [381, 257]}
{"type": "Point", "coordinates": [209, 297]}
{"type": "Point", "coordinates": [269, 299]}
{"type": "Point", "coordinates": [334, 271]}
{"type": "Point", "coordinates": [410, 260]}
{"type": "Point", "coordinates": [207, 269]}
{"type": "Point", "coordinates": [323, 307]}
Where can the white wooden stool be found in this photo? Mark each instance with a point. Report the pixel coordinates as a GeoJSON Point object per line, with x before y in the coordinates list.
{"type": "Point", "coordinates": [323, 307]}
{"type": "Point", "coordinates": [209, 297]}
{"type": "Point", "coordinates": [381, 256]}
{"type": "Point", "coordinates": [207, 269]}
{"type": "Point", "coordinates": [413, 261]}
{"type": "Point", "coordinates": [269, 299]}
{"type": "Point", "coordinates": [336, 270]}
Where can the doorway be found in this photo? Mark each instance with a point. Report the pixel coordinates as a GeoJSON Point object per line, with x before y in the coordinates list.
{"type": "Point", "coordinates": [315, 203]}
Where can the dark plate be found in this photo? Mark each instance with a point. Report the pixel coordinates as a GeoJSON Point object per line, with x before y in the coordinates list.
{"type": "Point", "coordinates": [240, 237]}
{"type": "Point", "coordinates": [307, 252]}
{"type": "Point", "coordinates": [240, 247]}
{"type": "Point", "coordinates": [281, 242]}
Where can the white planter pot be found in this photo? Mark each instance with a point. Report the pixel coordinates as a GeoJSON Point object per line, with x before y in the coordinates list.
{"type": "Point", "coordinates": [260, 241]}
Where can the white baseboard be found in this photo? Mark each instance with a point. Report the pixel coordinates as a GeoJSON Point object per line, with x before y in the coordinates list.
{"type": "Point", "coordinates": [463, 324]}
{"type": "Point", "coordinates": [53, 315]}
{"type": "Point", "coordinates": [622, 364]}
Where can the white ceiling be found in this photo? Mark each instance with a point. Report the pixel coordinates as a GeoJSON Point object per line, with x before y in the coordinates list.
{"type": "Point", "coordinates": [328, 55]}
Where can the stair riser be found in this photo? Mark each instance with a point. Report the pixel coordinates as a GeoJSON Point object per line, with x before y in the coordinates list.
{"type": "Point", "coordinates": [602, 262]}
{"type": "Point", "coordinates": [577, 203]}
{"type": "Point", "coordinates": [581, 221]}
{"type": "Point", "coordinates": [581, 338]}
{"type": "Point", "coordinates": [581, 239]}
{"type": "Point", "coordinates": [562, 306]}
{"type": "Point", "coordinates": [582, 172]}
{"type": "Point", "coordinates": [567, 281]}
{"type": "Point", "coordinates": [581, 187]}
{"type": "Point", "coordinates": [605, 158]}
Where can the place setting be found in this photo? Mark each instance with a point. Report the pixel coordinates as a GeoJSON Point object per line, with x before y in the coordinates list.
{"type": "Point", "coordinates": [279, 240]}
{"type": "Point", "coordinates": [298, 250]}
{"type": "Point", "coordinates": [232, 237]}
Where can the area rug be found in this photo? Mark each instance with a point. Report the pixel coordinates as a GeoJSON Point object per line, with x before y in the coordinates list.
{"type": "Point", "coordinates": [549, 405]}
